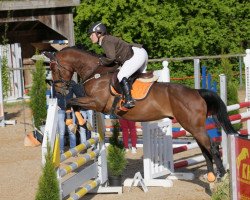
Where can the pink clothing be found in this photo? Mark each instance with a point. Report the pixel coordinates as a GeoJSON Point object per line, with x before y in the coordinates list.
{"type": "Point", "coordinates": [128, 128]}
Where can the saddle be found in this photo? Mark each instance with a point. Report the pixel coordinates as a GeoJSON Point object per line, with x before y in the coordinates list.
{"type": "Point", "coordinates": [140, 84]}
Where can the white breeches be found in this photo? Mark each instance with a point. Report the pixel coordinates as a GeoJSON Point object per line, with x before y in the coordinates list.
{"type": "Point", "coordinates": [138, 62]}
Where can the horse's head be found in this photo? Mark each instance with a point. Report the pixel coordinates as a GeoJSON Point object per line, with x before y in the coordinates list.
{"type": "Point", "coordinates": [61, 70]}
{"type": "Point", "coordinates": [64, 63]}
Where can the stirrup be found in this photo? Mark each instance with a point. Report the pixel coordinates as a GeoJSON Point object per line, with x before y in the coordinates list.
{"type": "Point", "coordinates": [129, 104]}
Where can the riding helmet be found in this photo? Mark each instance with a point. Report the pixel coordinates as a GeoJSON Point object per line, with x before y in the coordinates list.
{"type": "Point", "coordinates": [98, 27]}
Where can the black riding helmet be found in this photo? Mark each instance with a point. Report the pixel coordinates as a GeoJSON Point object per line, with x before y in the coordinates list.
{"type": "Point", "coordinates": [98, 27]}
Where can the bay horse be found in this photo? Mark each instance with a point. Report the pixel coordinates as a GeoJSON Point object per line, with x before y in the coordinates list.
{"type": "Point", "coordinates": [190, 107]}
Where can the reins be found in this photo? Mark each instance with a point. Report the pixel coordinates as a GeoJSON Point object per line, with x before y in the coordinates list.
{"type": "Point", "coordinates": [96, 76]}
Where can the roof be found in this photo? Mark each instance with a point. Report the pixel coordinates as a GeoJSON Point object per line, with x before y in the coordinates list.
{"type": "Point", "coordinates": [32, 21]}
{"type": "Point", "coordinates": [34, 4]}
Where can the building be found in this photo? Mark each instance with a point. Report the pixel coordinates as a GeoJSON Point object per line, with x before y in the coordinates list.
{"type": "Point", "coordinates": [36, 25]}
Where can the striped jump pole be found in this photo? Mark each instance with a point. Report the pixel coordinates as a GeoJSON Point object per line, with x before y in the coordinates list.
{"type": "Point", "coordinates": [74, 151]}
{"type": "Point", "coordinates": [185, 147]}
{"type": "Point", "coordinates": [79, 162]}
{"type": "Point", "coordinates": [188, 162]}
{"type": "Point", "coordinates": [94, 174]}
{"type": "Point", "coordinates": [243, 132]}
{"type": "Point", "coordinates": [238, 106]}
{"type": "Point", "coordinates": [240, 120]}
{"type": "Point", "coordinates": [70, 185]}
{"type": "Point", "coordinates": [180, 133]}
{"type": "Point", "coordinates": [229, 108]}
{"type": "Point", "coordinates": [85, 189]}
{"type": "Point", "coordinates": [237, 118]}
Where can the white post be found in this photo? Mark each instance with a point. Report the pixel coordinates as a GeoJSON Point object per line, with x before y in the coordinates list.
{"type": "Point", "coordinates": [223, 95]}
{"type": "Point", "coordinates": [158, 160]}
{"type": "Point", "coordinates": [197, 79]}
{"type": "Point", "coordinates": [246, 60]}
{"type": "Point", "coordinates": [20, 72]}
{"type": "Point", "coordinates": [168, 156]}
{"type": "Point", "coordinates": [164, 75]}
{"type": "Point", "coordinates": [102, 161]}
{"type": "Point", "coordinates": [50, 128]}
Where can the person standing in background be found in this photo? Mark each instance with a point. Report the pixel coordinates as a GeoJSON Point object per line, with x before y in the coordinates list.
{"type": "Point", "coordinates": [128, 129]}
{"type": "Point", "coordinates": [85, 134]}
{"type": "Point", "coordinates": [77, 90]}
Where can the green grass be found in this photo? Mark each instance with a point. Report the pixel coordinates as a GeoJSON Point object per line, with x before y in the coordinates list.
{"type": "Point", "coordinates": [222, 190]}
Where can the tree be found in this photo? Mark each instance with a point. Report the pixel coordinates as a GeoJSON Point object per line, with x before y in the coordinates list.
{"type": "Point", "coordinates": [38, 94]}
{"type": "Point", "coordinates": [4, 64]}
{"type": "Point", "coordinates": [172, 28]}
{"type": "Point", "coordinates": [116, 157]}
{"type": "Point", "coordinates": [5, 76]}
{"type": "Point", "coordinates": [48, 183]}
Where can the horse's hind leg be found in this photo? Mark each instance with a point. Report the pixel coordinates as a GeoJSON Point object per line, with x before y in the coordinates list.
{"type": "Point", "coordinates": [217, 159]}
{"type": "Point", "coordinates": [196, 126]}
{"type": "Point", "coordinates": [203, 141]}
{"type": "Point", "coordinates": [211, 152]}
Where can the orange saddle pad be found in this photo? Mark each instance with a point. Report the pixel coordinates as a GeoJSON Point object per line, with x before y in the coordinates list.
{"type": "Point", "coordinates": [140, 89]}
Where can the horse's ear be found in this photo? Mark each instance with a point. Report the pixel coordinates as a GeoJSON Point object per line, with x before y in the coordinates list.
{"type": "Point", "coordinates": [49, 55]}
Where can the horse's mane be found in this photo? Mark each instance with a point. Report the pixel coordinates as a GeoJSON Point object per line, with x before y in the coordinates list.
{"type": "Point", "coordinates": [81, 49]}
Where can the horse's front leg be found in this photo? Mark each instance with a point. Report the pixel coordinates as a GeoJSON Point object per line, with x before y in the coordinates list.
{"type": "Point", "coordinates": [86, 103]}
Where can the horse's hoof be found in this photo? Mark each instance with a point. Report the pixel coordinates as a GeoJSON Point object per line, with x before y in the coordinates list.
{"type": "Point", "coordinates": [211, 177]}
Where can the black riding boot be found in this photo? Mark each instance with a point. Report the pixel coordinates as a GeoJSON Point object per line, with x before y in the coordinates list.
{"type": "Point", "coordinates": [129, 101]}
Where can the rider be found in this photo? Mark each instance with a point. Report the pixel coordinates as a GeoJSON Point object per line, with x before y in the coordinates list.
{"type": "Point", "coordinates": [131, 57]}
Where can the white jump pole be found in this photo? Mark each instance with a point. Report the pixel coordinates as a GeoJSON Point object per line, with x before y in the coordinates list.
{"type": "Point", "coordinates": [246, 61]}
{"type": "Point", "coordinates": [50, 128]}
{"type": "Point", "coordinates": [223, 95]}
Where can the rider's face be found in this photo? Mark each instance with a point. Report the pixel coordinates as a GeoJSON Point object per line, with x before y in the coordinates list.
{"type": "Point", "coordinates": [94, 38]}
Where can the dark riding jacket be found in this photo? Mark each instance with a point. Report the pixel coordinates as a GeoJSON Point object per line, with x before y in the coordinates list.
{"type": "Point", "coordinates": [116, 50]}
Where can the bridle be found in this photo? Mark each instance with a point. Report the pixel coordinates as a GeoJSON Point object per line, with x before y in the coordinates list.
{"type": "Point", "coordinates": [64, 88]}
{"type": "Point", "coordinates": [65, 85]}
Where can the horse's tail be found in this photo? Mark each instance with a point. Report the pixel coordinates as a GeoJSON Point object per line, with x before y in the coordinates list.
{"type": "Point", "coordinates": [217, 108]}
